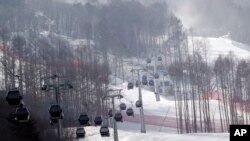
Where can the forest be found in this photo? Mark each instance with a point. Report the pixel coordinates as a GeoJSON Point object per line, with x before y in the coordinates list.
{"type": "Point", "coordinates": [121, 29]}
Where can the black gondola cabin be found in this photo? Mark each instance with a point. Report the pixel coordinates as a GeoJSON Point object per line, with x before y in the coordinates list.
{"type": "Point", "coordinates": [83, 119]}
{"type": "Point", "coordinates": [14, 98]}
{"type": "Point", "coordinates": [22, 114]}
{"type": "Point", "coordinates": [118, 117]}
{"type": "Point", "coordinates": [55, 111]}
{"type": "Point", "coordinates": [104, 131]}
{"type": "Point", "coordinates": [138, 103]}
{"type": "Point", "coordinates": [123, 106]}
{"type": "Point", "coordinates": [98, 120]}
{"type": "Point", "coordinates": [130, 112]}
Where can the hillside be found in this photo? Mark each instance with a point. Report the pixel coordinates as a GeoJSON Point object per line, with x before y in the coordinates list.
{"type": "Point", "coordinates": [212, 47]}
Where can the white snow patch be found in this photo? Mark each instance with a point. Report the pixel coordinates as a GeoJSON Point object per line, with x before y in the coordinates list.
{"type": "Point", "coordinates": [218, 46]}
{"type": "Point", "coordinates": [75, 43]}
{"type": "Point", "coordinates": [92, 134]}
{"type": "Point", "coordinates": [45, 33]}
{"type": "Point", "coordinates": [164, 107]}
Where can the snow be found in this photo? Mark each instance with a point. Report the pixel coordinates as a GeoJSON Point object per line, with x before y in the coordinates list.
{"type": "Point", "coordinates": [156, 112]}
{"type": "Point", "coordinates": [74, 43]}
{"type": "Point", "coordinates": [151, 107]}
{"type": "Point", "coordinates": [176, 137]}
{"type": "Point", "coordinates": [39, 14]}
{"type": "Point", "coordinates": [164, 107]}
{"type": "Point", "coordinates": [218, 46]}
{"type": "Point", "coordinates": [130, 130]}
{"type": "Point", "coordinates": [92, 134]}
{"type": "Point", "coordinates": [115, 80]}
{"type": "Point", "coordinates": [45, 33]}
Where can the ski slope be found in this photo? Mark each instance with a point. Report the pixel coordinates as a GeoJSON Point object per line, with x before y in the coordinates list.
{"type": "Point", "coordinates": [212, 47]}
{"type": "Point", "coordinates": [92, 134]}
{"type": "Point", "coordinates": [159, 116]}
{"type": "Point", "coordinates": [158, 126]}
{"type": "Point", "coordinates": [164, 107]}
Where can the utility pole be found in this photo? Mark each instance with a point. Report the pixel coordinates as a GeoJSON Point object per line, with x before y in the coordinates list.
{"type": "Point", "coordinates": [119, 96]}
{"type": "Point", "coordinates": [163, 90]}
{"type": "Point", "coordinates": [143, 128]}
{"type": "Point", "coordinates": [59, 127]}
{"type": "Point", "coordinates": [157, 95]}
{"type": "Point", "coordinates": [164, 86]}
{"type": "Point", "coordinates": [133, 72]}
{"type": "Point", "coordinates": [56, 86]}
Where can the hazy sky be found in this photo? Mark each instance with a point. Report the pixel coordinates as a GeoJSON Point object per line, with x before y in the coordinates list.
{"type": "Point", "coordinates": [193, 12]}
{"type": "Point", "coordinates": [185, 10]}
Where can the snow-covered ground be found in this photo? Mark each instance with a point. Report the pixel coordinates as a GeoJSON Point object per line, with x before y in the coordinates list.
{"type": "Point", "coordinates": [158, 126]}
{"type": "Point", "coordinates": [156, 129]}
{"type": "Point", "coordinates": [164, 107]}
{"type": "Point", "coordinates": [92, 134]}
{"type": "Point", "coordinates": [74, 43]}
{"type": "Point", "coordinates": [212, 47]}
{"type": "Point", "coordinates": [175, 137]}
{"type": "Point", "coordinates": [160, 118]}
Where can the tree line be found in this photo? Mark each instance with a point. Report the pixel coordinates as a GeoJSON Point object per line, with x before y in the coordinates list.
{"type": "Point", "coordinates": [199, 85]}
{"type": "Point", "coordinates": [121, 28]}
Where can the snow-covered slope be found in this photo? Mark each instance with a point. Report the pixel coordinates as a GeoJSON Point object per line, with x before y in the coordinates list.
{"type": "Point", "coordinates": [164, 107]}
{"type": "Point", "coordinates": [92, 134]}
{"type": "Point", "coordinates": [174, 137]}
{"type": "Point", "coordinates": [212, 47]}
{"type": "Point", "coordinates": [74, 43]}
{"type": "Point", "coordinates": [160, 118]}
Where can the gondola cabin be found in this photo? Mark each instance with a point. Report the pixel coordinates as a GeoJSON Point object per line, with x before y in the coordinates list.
{"type": "Point", "coordinates": [156, 75]}
{"type": "Point", "coordinates": [14, 97]}
{"type": "Point", "coordinates": [104, 131]}
{"type": "Point", "coordinates": [80, 132]}
{"type": "Point", "coordinates": [138, 104]}
{"type": "Point", "coordinates": [83, 119]}
{"type": "Point", "coordinates": [55, 111]}
{"type": "Point", "coordinates": [130, 85]}
{"type": "Point", "coordinates": [123, 106]}
{"type": "Point", "coordinates": [130, 112]}
{"type": "Point", "coordinates": [118, 117]}
{"type": "Point", "coordinates": [22, 114]}
{"type": "Point", "coordinates": [151, 82]}
{"type": "Point", "coordinates": [98, 120]}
